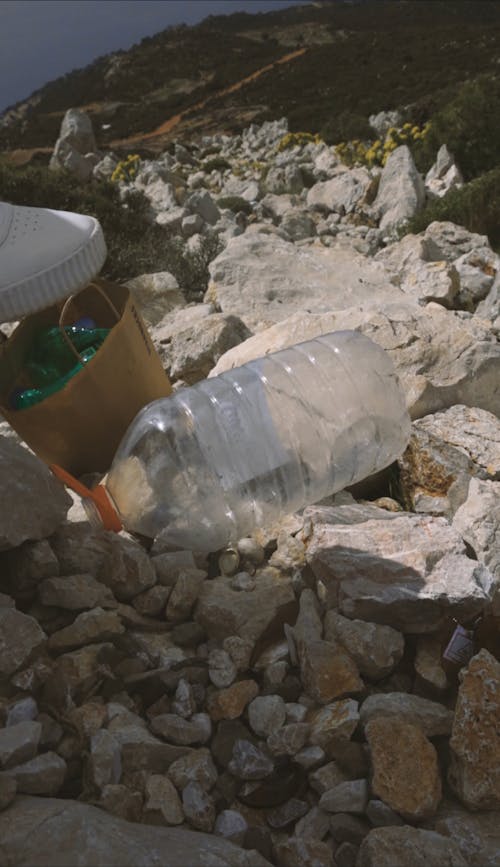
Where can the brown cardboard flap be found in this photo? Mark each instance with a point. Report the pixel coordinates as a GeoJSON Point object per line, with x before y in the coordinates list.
{"type": "Point", "coordinates": [80, 426]}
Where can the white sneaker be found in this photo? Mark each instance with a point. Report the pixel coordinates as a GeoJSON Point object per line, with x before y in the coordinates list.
{"type": "Point", "coordinates": [45, 256]}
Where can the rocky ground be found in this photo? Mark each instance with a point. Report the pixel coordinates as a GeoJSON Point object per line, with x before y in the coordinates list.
{"type": "Point", "coordinates": [286, 701]}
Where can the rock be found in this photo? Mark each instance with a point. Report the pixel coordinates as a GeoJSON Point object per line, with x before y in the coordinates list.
{"type": "Point", "coordinates": [310, 758]}
{"type": "Point", "coordinates": [298, 224]}
{"type": "Point", "coordinates": [326, 777]}
{"type": "Point", "coordinates": [289, 739]}
{"type": "Point", "coordinates": [126, 568]}
{"type": "Point", "coordinates": [231, 702]}
{"type": "Point", "coordinates": [184, 703]}
{"type": "Point", "coordinates": [8, 789]}
{"type": "Point", "coordinates": [152, 602]}
{"type": "Point", "coordinates": [408, 847]}
{"type": "Point", "coordinates": [199, 807]}
{"type": "Point", "coordinates": [201, 202]}
{"type": "Point", "coordinates": [375, 649]}
{"type": "Point", "coordinates": [441, 359]}
{"type": "Point", "coordinates": [446, 240]}
{"type": "Point", "coordinates": [478, 522]}
{"type": "Point", "coordinates": [300, 852]}
{"type": "Point", "coordinates": [428, 663]}
{"type": "Point", "coordinates": [178, 320]}
{"type": "Point", "coordinates": [342, 193]}
{"type": "Point", "coordinates": [474, 771]}
{"type": "Point", "coordinates": [19, 743]}
{"type": "Point", "coordinates": [285, 814]}
{"type": "Point", "coordinates": [191, 353]}
{"type": "Point", "coordinates": [141, 751]}
{"type": "Point", "coordinates": [266, 714]}
{"type": "Point", "coordinates": [345, 855]}
{"type": "Point", "coordinates": [314, 825]}
{"type": "Point", "coordinates": [104, 763]}
{"type": "Point", "coordinates": [430, 576]}
{"type": "Point", "coordinates": [401, 191]}
{"type": "Point", "coordinates": [347, 828]}
{"type": "Point", "coordinates": [88, 628]}
{"type": "Point", "coordinates": [381, 816]}
{"type": "Point", "coordinates": [75, 593]}
{"type": "Point", "coordinates": [221, 669]}
{"type": "Point", "coordinates": [432, 718]}
{"type": "Point", "coordinates": [224, 612]}
{"type": "Point", "coordinates": [476, 834]}
{"type": "Point", "coordinates": [444, 175]}
{"type": "Point", "coordinates": [383, 120]}
{"type": "Point", "coordinates": [23, 710]}
{"type": "Point", "coordinates": [42, 775]}
{"type": "Point", "coordinates": [34, 502]}
{"type": "Point", "coordinates": [180, 731]}
{"type": "Point", "coordinates": [288, 179]}
{"type": "Point", "coordinates": [20, 635]}
{"type": "Point", "coordinates": [195, 767]}
{"type": "Point", "coordinates": [162, 804]}
{"type": "Point", "coordinates": [78, 549]}
{"type": "Point", "coordinates": [56, 831]}
{"type": "Point", "coordinates": [474, 432]}
{"type": "Point", "coordinates": [184, 595]}
{"type": "Point", "coordinates": [262, 277]}
{"type": "Point", "coordinates": [76, 130]}
{"type": "Point", "coordinates": [121, 802]}
{"type": "Point", "coordinates": [231, 825]}
{"type": "Point", "coordinates": [156, 294]}
{"type": "Point", "coordinates": [336, 720]}
{"type": "Point", "coordinates": [348, 797]}
{"type": "Point", "coordinates": [477, 271]}
{"type": "Point", "coordinates": [249, 763]}
{"type": "Point", "coordinates": [405, 768]}
{"type": "Point", "coordinates": [327, 672]}
{"type": "Point", "coordinates": [432, 281]}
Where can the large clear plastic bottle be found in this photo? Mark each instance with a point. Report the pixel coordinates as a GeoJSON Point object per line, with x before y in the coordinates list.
{"type": "Point", "coordinates": [213, 461]}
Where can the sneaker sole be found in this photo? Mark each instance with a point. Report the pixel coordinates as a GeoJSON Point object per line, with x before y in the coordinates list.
{"type": "Point", "coordinates": [57, 282]}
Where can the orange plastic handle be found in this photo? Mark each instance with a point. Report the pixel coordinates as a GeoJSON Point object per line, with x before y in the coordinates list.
{"type": "Point", "coordinates": [98, 495]}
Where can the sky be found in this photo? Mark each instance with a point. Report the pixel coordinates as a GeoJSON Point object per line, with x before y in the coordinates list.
{"type": "Point", "coordinates": [43, 39]}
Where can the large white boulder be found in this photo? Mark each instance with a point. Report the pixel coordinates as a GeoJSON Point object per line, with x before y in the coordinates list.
{"type": "Point", "coordinates": [401, 192]}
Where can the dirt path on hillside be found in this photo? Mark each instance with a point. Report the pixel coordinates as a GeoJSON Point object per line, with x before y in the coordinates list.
{"type": "Point", "coordinates": [175, 120]}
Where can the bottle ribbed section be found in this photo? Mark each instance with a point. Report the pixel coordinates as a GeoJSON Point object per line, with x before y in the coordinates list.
{"type": "Point", "coordinates": [209, 464]}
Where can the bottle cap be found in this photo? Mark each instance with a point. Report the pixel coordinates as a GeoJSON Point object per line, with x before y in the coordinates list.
{"type": "Point", "coordinates": [97, 498]}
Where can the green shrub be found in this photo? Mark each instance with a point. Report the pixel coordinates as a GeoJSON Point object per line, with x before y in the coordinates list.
{"type": "Point", "coordinates": [135, 244]}
{"type": "Point", "coordinates": [470, 126]}
{"type": "Point", "coordinates": [476, 206]}
{"type": "Point", "coordinates": [216, 164]}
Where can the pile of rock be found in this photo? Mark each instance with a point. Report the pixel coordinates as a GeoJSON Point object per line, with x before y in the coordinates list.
{"type": "Point", "coordinates": [285, 702]}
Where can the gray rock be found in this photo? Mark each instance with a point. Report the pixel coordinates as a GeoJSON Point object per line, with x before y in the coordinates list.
{"type": "Point", "coordinates": [59, 832]}
{"type": "Point", "coordinates": [473, 431]}
{"type": "Point", "coordinates": [429, 663]}
{"type": "Point", "coordinates": [75, 593]}
{"type": "Point", "coordinates": [446, 240]}
{"type": "Point", "coordinates": [126, 568]}
{"type": "Point", "coordinates": [249, 763]}
{"type": "Point", "coordinates": [20, 635]}
{"type": "Point", "coordinates": [141, 751]}
{"type": "Point", "coordinates": [348, 797]}
{"type": "Point", "coordinates": [262, 277]}
{"type": "Point", "coordinates": [430, 716]}
{"type": "Point", "coordinates": [191, 225]}
{"type": "Point", "coordinates": [104, 763]}
{"type": "Point", "coordinates": [186, 590]}
{"type": "Point", "coordinates": [303, 852]}
{"type": "Point", "coordinates": [224, 612]}
{"type": "Point", "coordinates": [477, 835]}
{"type": "Point", "coordinates": [282, 180]}
{"type": "Point", "coordinates": [383, 120]}
{"type": "Point", "coordinates": [89, 627]}
{"type": "Point", "coordinates": [221, 669]}
{"type": "Point", "coordinates": [375, 649]}
{"type": "Point", "coordinates": [19, 743]}
{"type": "Point", "coordinates": [348, 828]}
{"type": "Point", "coordinates": [201, 203]}
{"type": "Point", "coordinates": [196, 767]}
{"type": "Point", "coordinates": [152, 602]}
{"type": "Point", "coordinates": [432, 281]}
{"type": "Point", "coordinates": [401, 191]}
{"type": "Point", "coordinates": [335, 721]}
{"type": "Point", "coordinates": [477, 271]}
{"type": "Point", "coordinates": [42, 775]}
{"type": "Point", "coordinates": [231, 825]}
{"type": "Point", "coordinates": [298, 224]}
{"type": "Point", "coordinates": [289, 740]}
{"type": "Point", "coordinates": [327, 777]}
{"type": "Point", "coordinates": [346, 854]}
{"type": "Point", "coordinates": [192, 353]}
{"type": "Point", "coordinates": [184, 704]}
{"type": "Point", "coordinates": [430, 576]}
{"type": "Point", "coordinates": [266, 714]}
{"type": "Point", "coordinates": [199, 807]}
{"type": "Point", "coordinates": [314, 825]}
{"type": "Point", "coordinates": [22, 710]}
{"type": "Point", "coordinates": [162, 803]}
{"type": "Point", "coordinates": [78, 549]}
{"type": "Point", "coordinates": [285, 814]}
{"type": "Point", "coordinates": [180, 731]}
{"type": "Point", "coordinates": [408, 847]}
{"type": "Point", "coordinates": [8, 789]}
{"type": "Point", "coordinates": [76, 130]}
{"type": "Point", "coordinates": [478, 522]}
{"type": "Point", "coordinates": [381, 815]}
{"type": "Point", "coordinates": [66, 157]}
{"type": "Point", "coordinates": [342, 193]}
{"type": "Point", "coordinates": [156, 294]}
{"type": "Point", "coordinates": [34, 502]}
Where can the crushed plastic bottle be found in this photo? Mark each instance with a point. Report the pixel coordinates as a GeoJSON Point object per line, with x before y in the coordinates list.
{"type": "Point", "coordinates": [207, 465]}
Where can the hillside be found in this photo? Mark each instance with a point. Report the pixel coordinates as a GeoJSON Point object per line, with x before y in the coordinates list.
{"type": "Point", "coordinates": [348, 61]}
